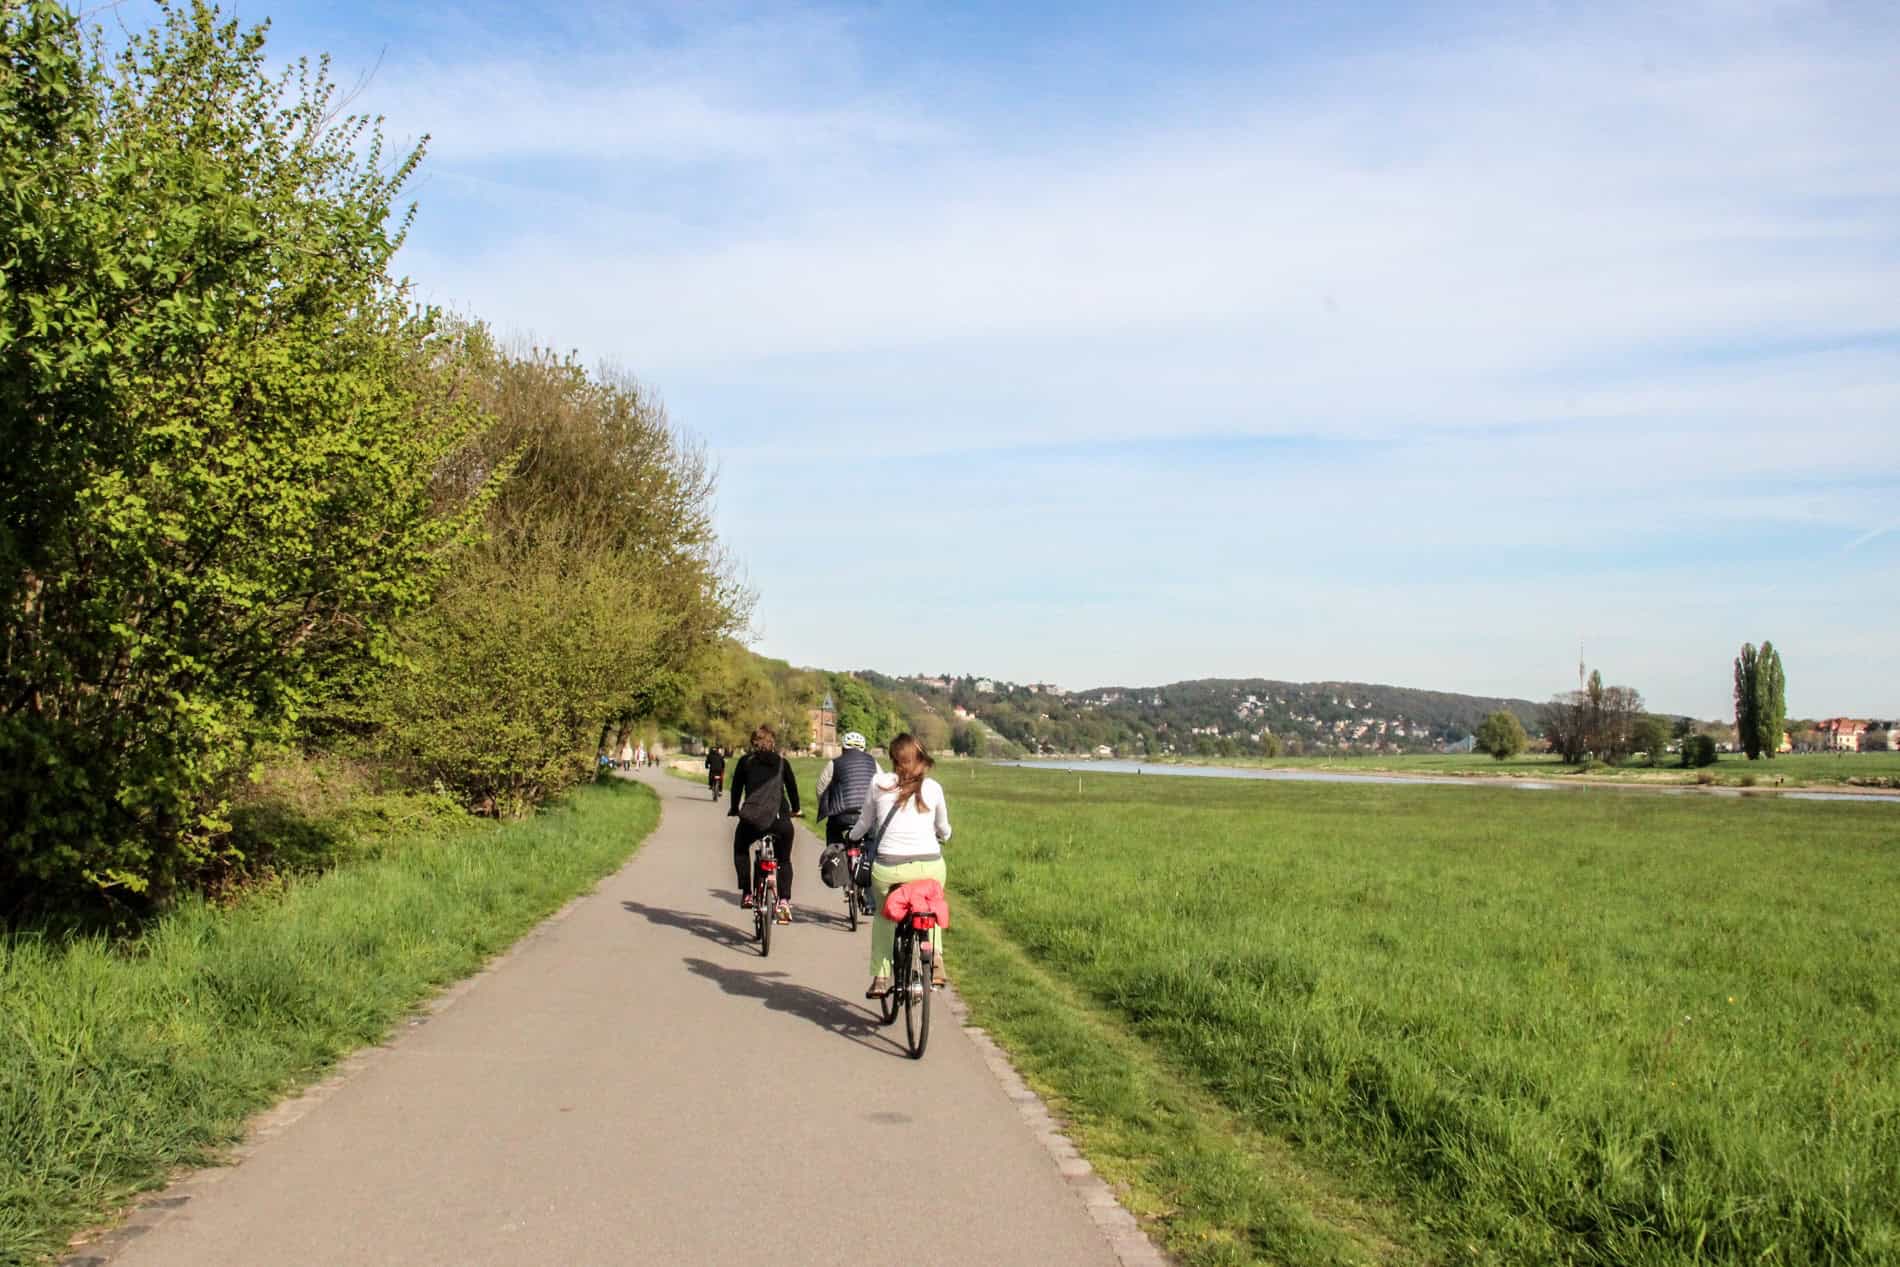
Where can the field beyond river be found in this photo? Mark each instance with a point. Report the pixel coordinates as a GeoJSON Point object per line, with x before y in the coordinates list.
{"type": "Point", "coordinates": [1840, 771]}
{"type": "Point", "coordinates": [1463, 1025]}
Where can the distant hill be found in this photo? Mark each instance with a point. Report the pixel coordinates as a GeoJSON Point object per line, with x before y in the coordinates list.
{"type": "Point", "coordinates": [1215, 716]}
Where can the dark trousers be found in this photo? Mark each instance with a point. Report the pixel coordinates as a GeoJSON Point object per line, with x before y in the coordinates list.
{"type": "Point", "coordinates": [742, 840]}
{"type": "Point", "coordinates": [837, 827]}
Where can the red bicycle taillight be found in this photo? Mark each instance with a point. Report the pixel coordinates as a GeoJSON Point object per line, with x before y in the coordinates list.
{"type": "Point", "coordinates": [923, 923]}
{"type": "Point", "coordinates": [768, 866]}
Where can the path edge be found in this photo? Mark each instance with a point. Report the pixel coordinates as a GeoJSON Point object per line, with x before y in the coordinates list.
{"type": "Point", "coordinates": [1121, 1229]}
{"type": "Point", "coordinates": [100, 1245]}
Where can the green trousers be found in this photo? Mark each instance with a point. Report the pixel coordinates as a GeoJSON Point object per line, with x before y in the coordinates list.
{"type": "Point", "coordinates": [883, 932]}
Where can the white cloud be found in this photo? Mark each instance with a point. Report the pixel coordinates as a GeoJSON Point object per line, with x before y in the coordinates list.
{"type": "Point", "coordinates": [1599, 280]}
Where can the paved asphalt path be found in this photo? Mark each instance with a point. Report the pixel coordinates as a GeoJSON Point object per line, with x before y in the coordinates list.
{"type": "Point", "coordinates": [638, 1086]}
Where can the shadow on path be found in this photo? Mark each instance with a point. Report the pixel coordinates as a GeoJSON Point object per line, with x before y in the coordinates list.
{"type": "Point", "coordinates": [827, 1011]}
{"type": "Point", "coordinates": [698, 925]}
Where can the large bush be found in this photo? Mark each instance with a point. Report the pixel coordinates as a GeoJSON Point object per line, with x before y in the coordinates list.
{"type": "Point", "coordinates": [596, 597]}
{"type": "Point", "coordinates": [223, 424]}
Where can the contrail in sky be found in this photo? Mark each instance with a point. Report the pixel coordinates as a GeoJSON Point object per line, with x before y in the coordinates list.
{"type": "Point", "coordinates": [1865, 537]}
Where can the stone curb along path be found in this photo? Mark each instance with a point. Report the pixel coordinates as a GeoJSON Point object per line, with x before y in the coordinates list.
{"type": "Point", "coordinates": [1130, 1244]}
{"type": "Point", "coordinates": [632, 1083]}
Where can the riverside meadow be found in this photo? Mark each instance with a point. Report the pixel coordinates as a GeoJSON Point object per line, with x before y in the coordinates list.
{"type": "Point", "coordinates": [1599, 1027]}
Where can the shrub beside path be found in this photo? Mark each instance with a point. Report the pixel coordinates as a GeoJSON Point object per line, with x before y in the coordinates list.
{"type": "Point", "coordinates": [636, 1085]}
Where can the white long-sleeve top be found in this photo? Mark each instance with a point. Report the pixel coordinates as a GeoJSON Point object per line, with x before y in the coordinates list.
{"type": "Point", "coordinates": [912, 834]}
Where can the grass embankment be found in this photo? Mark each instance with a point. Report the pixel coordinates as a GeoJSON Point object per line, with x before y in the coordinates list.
{"type": "Point", "coordinates": [122, 1060]}
{"type": "Point", "coordinates": [1805, 769]}
{"type": "Point", "coordinates": [1600, 1028]}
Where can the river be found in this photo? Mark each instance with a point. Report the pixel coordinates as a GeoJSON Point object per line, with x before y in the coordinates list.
{"type": "Point", "coordinates": [1394, 780]}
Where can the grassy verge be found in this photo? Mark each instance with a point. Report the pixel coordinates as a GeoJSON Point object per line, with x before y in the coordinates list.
{"type": "Point", "coordinates": [1212, 1190]}
{"type": "Point", "coordinates": [1599, 1028]}
{"type": "Point", "coordinates": [120, 1061]}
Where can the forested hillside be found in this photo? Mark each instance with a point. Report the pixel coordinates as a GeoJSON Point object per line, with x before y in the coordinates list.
{"type": "Point", "coordinates": [1211, 717]}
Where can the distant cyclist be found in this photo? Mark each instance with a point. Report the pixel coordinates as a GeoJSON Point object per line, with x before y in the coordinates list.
{"type": "Point", "coordinates": [764, 799]}
{"type": "Point", "coordinates": [716, 770]}
{"type": "Point", "coordinates": [842, 785]}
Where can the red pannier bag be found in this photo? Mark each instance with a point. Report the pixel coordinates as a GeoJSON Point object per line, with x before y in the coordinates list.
{"type": "Point", "coordinates": [923, 899]}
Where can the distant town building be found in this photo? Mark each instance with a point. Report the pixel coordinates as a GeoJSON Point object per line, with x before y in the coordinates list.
{"type": "Point", "coordinates": [1841, 734]}
{"type": "Point", "coordinates": [824, 728]}
{"type": "Point", "coordinates": [985, 687]}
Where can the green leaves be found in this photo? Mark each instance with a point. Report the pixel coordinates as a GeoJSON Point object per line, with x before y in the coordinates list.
{"type": "Point", "coordinates": [1761, 700]}
{"type": "Point", "coordinates": [224, 423]}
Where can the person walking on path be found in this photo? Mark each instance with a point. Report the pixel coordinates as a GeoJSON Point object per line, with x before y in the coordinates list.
{"type": "Point", "coordinates": [908, 807]}
{"type": "Point", "coordinates": [764, 800]}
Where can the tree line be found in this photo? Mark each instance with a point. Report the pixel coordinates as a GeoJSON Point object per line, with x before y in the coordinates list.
{"type": "Point", "coordinates": [1598, 722]}
{"type": "Point", "coordinates": [257, 496]}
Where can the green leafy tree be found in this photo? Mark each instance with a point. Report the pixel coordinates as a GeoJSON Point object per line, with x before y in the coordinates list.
{"type": "Point", "coordinates": [224, 422]}
{"type": "Point", "coordinates": [594, 603]}
{"type": "Point", "coordinates": [1698, 751]}
{"type": "Point", "coordinates": [1761, 700]}
{"type": "Point", "coordinates": [1502, 735]}
{"type": "Point", "coordinates": [1650, 737]}
{"type": "Point", "coordinates": [865, 709]}
{"type": "Point", "coordinates": [514, 666]}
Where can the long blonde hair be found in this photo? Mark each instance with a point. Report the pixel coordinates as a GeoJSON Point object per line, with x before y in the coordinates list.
{"type": "Point", "coordinates": [910, 763]}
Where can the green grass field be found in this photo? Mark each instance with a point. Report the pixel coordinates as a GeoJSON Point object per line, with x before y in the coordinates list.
{"type": "Point", "coordinates": [121, 1060]}
{"type": "Point", "coordinates": [1807, 769]}
{"type": "Point", "coordinates": [1595, 1027]}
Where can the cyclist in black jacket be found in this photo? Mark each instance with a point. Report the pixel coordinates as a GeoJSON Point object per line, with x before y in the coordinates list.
{"type": "Point", "coordinates": [716, 770]}
{"type": "Point", "coordinates": [756, 772]}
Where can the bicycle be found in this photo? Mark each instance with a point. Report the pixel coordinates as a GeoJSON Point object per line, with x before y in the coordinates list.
{"type": "Point", "coordinates": [912, 956]}
{"type": "Point", "coordinates": [857, 897]}
{"type": "Point", "coordinates": [716, 780]}
{"type": "Point", "coordinates": [764, 893]}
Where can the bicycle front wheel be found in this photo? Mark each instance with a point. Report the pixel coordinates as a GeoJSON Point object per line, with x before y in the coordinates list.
{"type": "Point", "coordinates": [917, 994]}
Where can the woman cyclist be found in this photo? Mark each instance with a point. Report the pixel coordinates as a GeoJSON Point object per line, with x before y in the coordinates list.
{"type": "Point", "coordinates": [755, 774]}
{"type": "Point", "coordinates": [911, 847]}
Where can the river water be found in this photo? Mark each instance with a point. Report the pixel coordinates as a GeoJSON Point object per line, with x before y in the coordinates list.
{"type": "Point", "coordinates": [1395, 780]}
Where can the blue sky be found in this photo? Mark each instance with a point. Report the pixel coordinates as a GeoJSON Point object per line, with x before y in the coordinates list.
{"type": "Point", "coordinates": [1124, 344]}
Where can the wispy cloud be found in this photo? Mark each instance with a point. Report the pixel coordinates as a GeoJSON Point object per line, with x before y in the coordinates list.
{"type": "Point", "coordinates": [1554, 288]}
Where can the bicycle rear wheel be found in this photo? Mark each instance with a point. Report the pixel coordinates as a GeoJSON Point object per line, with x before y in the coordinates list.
{"type": "Point", "coordinates": [888, 1005]}
{"type": "Point", "coordinates": [917, 994]}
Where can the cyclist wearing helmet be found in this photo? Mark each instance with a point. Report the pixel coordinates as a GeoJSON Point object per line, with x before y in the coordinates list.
{"type": "Point", "coordinates": [842, 785]}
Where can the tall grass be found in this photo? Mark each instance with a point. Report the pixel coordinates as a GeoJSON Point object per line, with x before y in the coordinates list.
{"type": "Point", "coordinates": [1594, 1027]}
{"type": "Point", "coordinates": [120, 1060]}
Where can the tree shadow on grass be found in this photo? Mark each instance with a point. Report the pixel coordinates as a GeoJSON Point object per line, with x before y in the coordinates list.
{"type": "Point", "coordinates": [827, 1011]}
{"type": "Point", "coordinates": [705, 926]}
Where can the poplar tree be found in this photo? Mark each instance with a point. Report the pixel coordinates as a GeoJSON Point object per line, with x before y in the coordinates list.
{"type": "Point", "coordinates": [1761, 700]}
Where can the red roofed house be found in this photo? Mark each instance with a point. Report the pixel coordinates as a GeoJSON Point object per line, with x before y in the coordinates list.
{"type": "Point", "coordinates": [1841, 734]}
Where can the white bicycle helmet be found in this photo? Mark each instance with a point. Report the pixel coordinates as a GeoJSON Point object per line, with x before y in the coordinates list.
{"type": "Point", "coordinates": [852, 739]}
